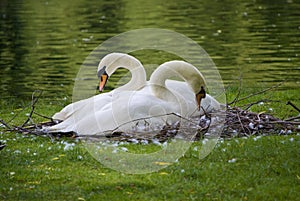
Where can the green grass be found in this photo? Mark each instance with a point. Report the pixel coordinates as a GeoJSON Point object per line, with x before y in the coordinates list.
{"type": "Point", "coordinates": [257, 168]}
{"type": "Point", "coordinates": [266, 168]}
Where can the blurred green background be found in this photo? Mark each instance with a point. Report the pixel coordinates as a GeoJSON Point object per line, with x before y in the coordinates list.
{"type": "Point", "coordinates": [43, 43]}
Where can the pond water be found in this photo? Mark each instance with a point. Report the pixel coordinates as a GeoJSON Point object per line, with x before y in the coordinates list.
{"type": "Point", "coordinates": [44, 43]}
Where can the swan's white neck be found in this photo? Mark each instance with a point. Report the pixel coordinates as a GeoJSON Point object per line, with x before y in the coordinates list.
{"type": "Point", "coordinates": [114, 61]}
{"type": "Point", "coordinates": [180, 69]}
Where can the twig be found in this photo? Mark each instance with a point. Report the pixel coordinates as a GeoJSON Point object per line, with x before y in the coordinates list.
{"type": "Point", "coordinates": [5, 124]}
{"type": "Point", "coordinates": [257, 93]}
{"type": "Point", "coordinates": [293, 105]}
{"type": "Point", "coordinates": [33, 102]}
{"type": "Point", "coordinates": [238, 115]}
{"type": "Point", "coordinates": [239, 91]}
{"type": "Point", "coordinates": [292, 118]}
{"type": "Point", "coordinates": [248, 106]}
{"type": "Point", "coordinates": [284, 122]}
{"type": "Point", "coordinates": [50, 118]}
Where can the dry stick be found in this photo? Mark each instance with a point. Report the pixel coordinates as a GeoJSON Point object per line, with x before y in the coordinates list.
{"type": "Point", "coordinates": [5, 124]}
{"type": "Point", "coordinates": [260, 92]}
{"type": "Point", "coordinates": [33, 102]}
{"type": "Point", "coordinates": [294, 106]}
{"type": "Point", "coordinates": [292, 118]}
{"type": "Point", "coordinates": [238, 115]}
{"type": "Point", "coordinates": [50, 118]}
{"type": "Point", "coordinates": [284, 122]}
{"type": "Point", "coordinates": [239, 91]}
{"type": "Point", "coordinates": [19, 112]}
{"type": "Point", "coordinates": [248, 106]}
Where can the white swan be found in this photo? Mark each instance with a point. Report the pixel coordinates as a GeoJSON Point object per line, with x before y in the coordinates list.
{"type": "Point", "coordinates": [186, 92]}
{"type": "Point", "coordinates": [164, 97]}
{"type": "Point", "coordinates": [109, 64]}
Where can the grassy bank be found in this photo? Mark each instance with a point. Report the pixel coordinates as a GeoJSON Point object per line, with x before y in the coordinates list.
{"type": "Point", "coordinates": [255, 168]}
{"type": "Point", "coordinates": [265, 168]}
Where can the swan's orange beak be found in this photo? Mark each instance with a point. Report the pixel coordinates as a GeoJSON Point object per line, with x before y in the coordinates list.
{"type": "Point", "coordinates": [103, 80]}
{"type": "Point", "coordinates": [199, 96]}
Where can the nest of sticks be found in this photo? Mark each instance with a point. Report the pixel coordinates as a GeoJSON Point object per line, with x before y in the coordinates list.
{"type": "Point", "coordinates": [237, 122]}
{"type": "Point", "coordinates": [240, 123]}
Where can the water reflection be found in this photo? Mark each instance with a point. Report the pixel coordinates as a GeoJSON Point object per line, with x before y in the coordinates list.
{"type": "Point", "coordinates": [43, 44]}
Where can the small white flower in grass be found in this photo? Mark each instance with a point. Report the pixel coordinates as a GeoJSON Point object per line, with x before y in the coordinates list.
{"type": "Point", "coordinates": [232, 160]}
{"type": "Point", "coordinates": [182, 170]}
{"type": "Point", "coordinates": [11, 188]}
{"type": "Point", "coordinates": [204, 141]}
{"type": "Point", "coordinates": [256, 138]}
{"type": "Point", "coordinates": [115, 144]}
{"type": "Point", "coordinates": [165, 144]}
{"type": "Point", "coordinates": [195, 148]}
{"type": "Point", "coordinates": [124, 149]}
{"type": "Point", "coordinates": [17, 152]}
{"type": "Point", "coordinates": [12, 173]}
{"type": "Point", "coordinates": [79, 157]}
{"type": "Point", "coordinates": [68, 146]}
{"type": "Point", "coordinates": [291, 139]}
{"type": "Point", "coordinates": [261, 103]}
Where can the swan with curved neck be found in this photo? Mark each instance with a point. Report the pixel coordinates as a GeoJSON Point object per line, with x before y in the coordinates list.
{"type": "Point", "coordinates": [183, 70]}
{"type": "Point", "coordinates": [110, 63]}
{"type": "Point", "coordinates": [107, 111]}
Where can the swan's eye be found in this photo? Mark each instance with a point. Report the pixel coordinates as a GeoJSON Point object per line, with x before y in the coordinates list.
{"type": "Point", "coordinates": [202, 92]}
{"type": "Point", "coordinates": [101, 71]}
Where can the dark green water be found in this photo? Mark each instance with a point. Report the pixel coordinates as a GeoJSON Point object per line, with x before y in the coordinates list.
{"type": "Point", "coordinates": [44, 43]}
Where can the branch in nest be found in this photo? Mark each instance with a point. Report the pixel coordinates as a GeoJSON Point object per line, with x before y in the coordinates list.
{"type": "Point", "coordinates": [34, 100]}
{"type": "Point", "coordinates": [248, 106]}
{"type": "Point", "coordinates": [292, 118]}
{"type": "Point", "coordinates": [254, 94]}
{"type": "Point", "coordinates": [5, 124]}
{"type": "Point", "coordinates": [293, 105]}
{"type": "Point", "coordinates": [239, 91]}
